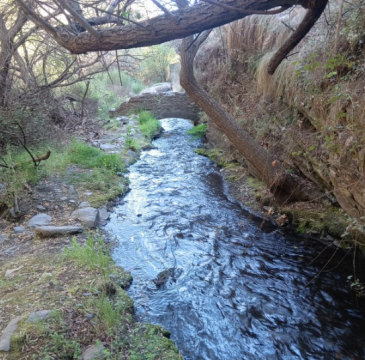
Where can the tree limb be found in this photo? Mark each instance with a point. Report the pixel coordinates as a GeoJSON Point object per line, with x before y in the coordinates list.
{"type": "Point", "coordinates": [310, 18]}
{"type": "Point", "coordinates": [190, 20]}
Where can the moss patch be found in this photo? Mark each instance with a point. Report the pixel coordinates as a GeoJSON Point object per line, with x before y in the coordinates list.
{"type": "Point", "coordinates": [332, 221]}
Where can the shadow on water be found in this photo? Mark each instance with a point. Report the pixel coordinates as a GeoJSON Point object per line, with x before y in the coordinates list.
{"type": "Point", "coordinates": [203, 269]}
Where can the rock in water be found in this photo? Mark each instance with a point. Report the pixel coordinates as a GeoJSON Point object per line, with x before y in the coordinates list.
{"type": "Point", "coordinates": [88, 216]}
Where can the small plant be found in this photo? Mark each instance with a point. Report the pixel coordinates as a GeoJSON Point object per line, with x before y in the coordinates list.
{"type": "Point", "coordinates": [356, 285]}
{"type": "Point", "coordinates": [93, 254]}
{"type": "Point", "coordinates": [148, 124]}
{"type": "Point", "coordinates": [131, 143]}
{"type": "Point", "coordinates": [198, 132]}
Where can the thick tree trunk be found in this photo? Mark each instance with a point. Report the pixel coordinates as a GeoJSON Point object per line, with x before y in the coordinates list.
{"type": "Point", "coordinates": [262, 164]}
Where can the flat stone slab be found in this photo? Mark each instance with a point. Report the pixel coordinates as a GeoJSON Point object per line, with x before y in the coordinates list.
{"type": "Point", "coordinates": [54, 231]}
{"type": "Point", "coordinates": [39, 220]}
{"type": "Point", "coordinates": [7, 333]}
{"type": "Point", "coordinates": [88, 216]}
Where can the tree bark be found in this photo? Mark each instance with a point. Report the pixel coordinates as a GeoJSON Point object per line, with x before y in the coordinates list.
{"type": "Point", "coordinates": [286, 187]}
{"type": "Point", "coordinates": [175, 25]}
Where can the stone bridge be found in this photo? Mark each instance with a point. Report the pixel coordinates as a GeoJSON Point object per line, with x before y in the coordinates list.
{"type": "Point", "coordinates": [161, 105]}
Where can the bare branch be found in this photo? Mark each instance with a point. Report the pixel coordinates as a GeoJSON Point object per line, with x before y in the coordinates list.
{"type": "Point", "coordinates": [37, 19]}
{"type": "Point", "coordinates": [247, 12]}
{"type": "Point", "coordinates": [302, 30]}
{"type": "Point", "coordinates": [81, 20]}
{"type": "Point", "coordinates": [161, 7]}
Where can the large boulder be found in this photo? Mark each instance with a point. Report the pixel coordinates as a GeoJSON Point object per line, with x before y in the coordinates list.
{"type": "Point", "coordinates": [88, 216]}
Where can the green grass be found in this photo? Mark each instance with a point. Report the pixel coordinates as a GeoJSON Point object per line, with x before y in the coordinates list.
{"type": "Point", "coordinates": [93, 254]}
{"type": "Point", "coordinates": [148, 124]}
{"type": "Point", "coordinates": [89, 157]}
{"type": "Point", "coordinates": [198, 132]}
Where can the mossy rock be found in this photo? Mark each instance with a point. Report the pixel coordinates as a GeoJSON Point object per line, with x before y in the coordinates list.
{"type": "Point", "coordinates": [331, 221]}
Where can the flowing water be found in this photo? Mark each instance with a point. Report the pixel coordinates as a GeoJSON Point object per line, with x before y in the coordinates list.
{"type": "Point", "coordinates": [204, 270]}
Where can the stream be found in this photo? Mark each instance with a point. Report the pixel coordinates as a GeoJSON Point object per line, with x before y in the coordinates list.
{"type": "Point", "coordinates": [203, 269]}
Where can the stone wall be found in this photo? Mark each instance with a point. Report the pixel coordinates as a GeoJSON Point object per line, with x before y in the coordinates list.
{"type": "Point", "coordinates": [163, 105]}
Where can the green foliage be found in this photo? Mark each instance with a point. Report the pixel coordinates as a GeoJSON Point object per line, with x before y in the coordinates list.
{"type": "Point", "coordinates": [131, 143]}
{"type": "Point", "coordinates": [93, 254]}
{"type": "Point", "coordinates": [148, 124]}
{"type": "Point", "coordinates": [150, 343]}
{"type": "Point", "coordinates": [87, 156]}
{"type": "Point", "coordinates": [198, 132]}
{"type": "Point", "coordinates": [61, 346]}
{"type": "Point", "coordinates": [155, 67]}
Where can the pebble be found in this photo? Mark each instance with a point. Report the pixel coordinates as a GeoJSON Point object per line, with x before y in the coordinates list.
{"type": "Point", "coordinates": [19, 229]}
{"type": "Point", "coordinates": [40, 208]}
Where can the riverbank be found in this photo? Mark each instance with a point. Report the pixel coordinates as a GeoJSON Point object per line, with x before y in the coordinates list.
{"type": "Point", "coordinates": [61, 294]}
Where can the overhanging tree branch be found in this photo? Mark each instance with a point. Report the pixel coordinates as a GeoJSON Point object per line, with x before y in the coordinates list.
{"type": "Point", "coordinates": [184, 22]}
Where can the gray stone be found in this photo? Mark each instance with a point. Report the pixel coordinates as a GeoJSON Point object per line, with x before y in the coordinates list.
{"type": "Point", "coordinates": [88, 216]}
{"type": "Point", "coordinates": [71, 190]}
{"type": "Point", "coordinates": [88, 193]}
{"type": "Point", "coordinates": [7, 333]}
{"type": "Point", "coordinates": [89, 316]}
{"type": "Point", "coordinates": [108, 147]}
{"type": "Point", "coordinates": [54, 231]}
{"type": "Point", "coordinates": [94, 352]}
{"type": "Point", "coordinates": [10, 272]}
{"type": "Point", "coordinates": [19, 229]}
{"type": "Point", "coordinates": [63, 198]}
{"type": "Point", "coordinates": [39, 220]}
{"type": "Point", "coordinates": [72, 201]}
{"type": "Point", "coordinates": [132, 154]}
{"type": "Point", "coordinates": [40, 208]}
{"type": "Point", "coordinates": [104, 215]}
{"type": "Point", "coordinates": [84, 204]}
{"type": "Point", "coordinates": [3, 237]}
{"type": "Point", "coordinates": [39, 315]}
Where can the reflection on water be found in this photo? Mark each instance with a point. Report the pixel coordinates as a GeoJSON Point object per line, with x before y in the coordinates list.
{"type": "Point", "coordinates": [225, 289]}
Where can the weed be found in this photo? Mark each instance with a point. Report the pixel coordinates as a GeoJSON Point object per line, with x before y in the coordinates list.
{"type": "Point", "coordinates": [148, 124]}
{"type": "Point", "coordinates": [198, 132]}
{"type": "Point", "coordinates": [131, 143]}
{"type": "Point", "coordinates": [93, 254]}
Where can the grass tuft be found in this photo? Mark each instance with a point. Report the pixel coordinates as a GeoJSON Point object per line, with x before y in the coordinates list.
{"type": "Point", "coordinates": [93, 254]}
{"type": "Point", "coordinates": [148, 124]}
{"type": "Point", "coordinates": [198, 132]}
